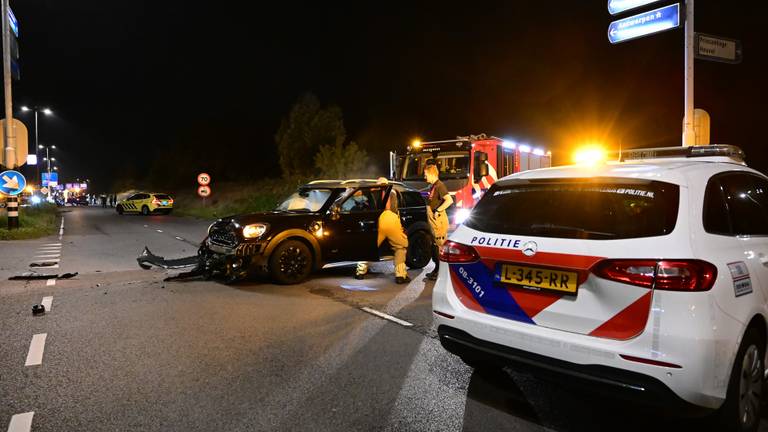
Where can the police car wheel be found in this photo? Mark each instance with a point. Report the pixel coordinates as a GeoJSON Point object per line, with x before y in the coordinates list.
{"type": "Point", "coordinates": [145, 210]}
{"type": "Point", "coordinates": [119, 209]}
{"type": "Point", "coordinates": [741, 410]}
{"type": "Point", "coordinates": [290, 262]}
{"type": "Point", "coordinates": [419, 250]}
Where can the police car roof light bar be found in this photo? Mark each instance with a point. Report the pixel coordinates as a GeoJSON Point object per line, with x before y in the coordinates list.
{"type": "Point", "coordinates": [714, 150]}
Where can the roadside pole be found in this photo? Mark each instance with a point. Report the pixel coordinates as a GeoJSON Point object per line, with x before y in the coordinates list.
{"type": "Point", "coordinates": [10, 134]}
{"type": "Point", "coordinates": [689, 134]}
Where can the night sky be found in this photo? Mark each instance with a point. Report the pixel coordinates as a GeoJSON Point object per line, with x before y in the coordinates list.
{"type": "Point", "coordinates": [140, 86]}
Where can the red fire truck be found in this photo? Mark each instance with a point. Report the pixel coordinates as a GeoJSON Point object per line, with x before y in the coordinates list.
{"type": "Point", "coordinates": [468, 166]}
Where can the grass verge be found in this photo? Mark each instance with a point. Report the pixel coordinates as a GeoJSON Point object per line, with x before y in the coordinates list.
{"type": "Point", "coordinates": [234, 198]}
{"type": "Point", "coordinates": [34, 222]}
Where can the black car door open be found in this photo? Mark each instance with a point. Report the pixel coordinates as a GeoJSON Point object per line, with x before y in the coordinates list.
{"type": "Point", "coordinates": [355, 230]}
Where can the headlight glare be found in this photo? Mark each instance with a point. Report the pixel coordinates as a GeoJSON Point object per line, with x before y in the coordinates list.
{"type": "Point", "coordinates": [254, 230]}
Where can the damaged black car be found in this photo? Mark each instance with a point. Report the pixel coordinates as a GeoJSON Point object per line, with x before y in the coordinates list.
{"type": "Point", "coordinates": [323, 222]}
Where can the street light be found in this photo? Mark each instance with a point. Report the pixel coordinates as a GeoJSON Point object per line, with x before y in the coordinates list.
{"type": "Point", "coordinates": [46, 111]}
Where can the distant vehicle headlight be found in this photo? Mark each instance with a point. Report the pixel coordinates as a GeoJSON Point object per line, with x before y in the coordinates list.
{"type": "Point", "coordinates": [35, 199]}
{"type": "Point", "coordinates": [461, 215]}
{"type": "Point", "coordinates": [254, 230]}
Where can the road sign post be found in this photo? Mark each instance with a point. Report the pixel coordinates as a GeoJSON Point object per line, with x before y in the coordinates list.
{"type": "Point", "coordinates": [12, 183]}
{"type": "Point", "coordinates": [689, 133]}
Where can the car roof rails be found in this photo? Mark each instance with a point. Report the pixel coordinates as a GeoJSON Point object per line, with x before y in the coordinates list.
{"type": "Point", "coordinates": [714, 150]}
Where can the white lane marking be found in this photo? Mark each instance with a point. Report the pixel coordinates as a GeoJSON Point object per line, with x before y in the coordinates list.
{"type": "Point", "coordinates": [61, 229]}
{"type": "Point", "coordinates": [21, 422]}
{"type": "Point", "coordinates": [50, 282]}
{"type": "Point", "coordinates": [48, 248]}
{"type": "Point", "coordinates": [47, 256]}
{"type": "Point", "coordinates": [47, 302]}
{"type": "Point", "coordinates": [36, 348]}
{"type": "Point", "coordinates": [55, 260]}
{"type": "Point", "coordinates": [145, 226]}
{"type": "Point", "coordinates": [52, 244]}
{"type": "Point", "coordinates": [159, 230]}
{"type": "Point", "coordinates": [387, 317]}
{"type": "Point", "coordinates": [47, 266]}
{"type": "Point", "coordinates": [179, 238]}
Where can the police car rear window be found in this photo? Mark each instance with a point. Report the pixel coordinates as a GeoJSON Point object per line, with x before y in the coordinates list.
{"type": "Point", "coordinates": [162, 196]}
{"type": "Point", "coordinates": [579, 209]}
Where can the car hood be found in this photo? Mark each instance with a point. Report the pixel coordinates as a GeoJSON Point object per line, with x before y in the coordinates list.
{"type": "Point", "coordinates": [272, 217]}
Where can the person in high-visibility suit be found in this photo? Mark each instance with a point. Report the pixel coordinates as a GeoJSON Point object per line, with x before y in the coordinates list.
{"type": "Point", "coordinates": [390, 228]}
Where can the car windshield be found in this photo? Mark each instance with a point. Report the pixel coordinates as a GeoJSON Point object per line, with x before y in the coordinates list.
{"type": "Point", "coordinates": [579, 209]}
{"type": "Point", "coordinates": [451, 164]}
{"type": "Point", "coordinates": [305, 200]}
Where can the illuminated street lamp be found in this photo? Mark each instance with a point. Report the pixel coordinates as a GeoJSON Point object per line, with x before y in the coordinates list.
{"type": "Point", "coordinates": [46, 111]}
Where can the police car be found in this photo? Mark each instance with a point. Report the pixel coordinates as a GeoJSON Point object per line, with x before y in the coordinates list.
{"type": "Point", "coordinates": [647, 277]}
{"type": "Point", "coordinates": [146, 203]}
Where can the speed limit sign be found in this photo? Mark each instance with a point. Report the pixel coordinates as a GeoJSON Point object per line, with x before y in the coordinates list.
{"type": "Point", "coordinates": [204, 191]}
{"type": "Point", "coordinates": [203, 179]}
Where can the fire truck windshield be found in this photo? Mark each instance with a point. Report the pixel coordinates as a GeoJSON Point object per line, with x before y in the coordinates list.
{"type": "Point", "coordinates": [451, 164]}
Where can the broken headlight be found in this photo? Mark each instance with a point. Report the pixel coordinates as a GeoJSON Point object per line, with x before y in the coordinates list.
{"type": "Point", "coordinates": [253, 231]}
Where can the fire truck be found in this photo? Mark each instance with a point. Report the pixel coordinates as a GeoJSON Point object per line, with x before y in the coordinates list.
{"type": "Point", "coordinates": [468, 166]}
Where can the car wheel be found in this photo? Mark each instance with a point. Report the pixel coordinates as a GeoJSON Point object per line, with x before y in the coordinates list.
{"type": "Point", "coordinates": [419, 250]}
{"type": "Point", "coordinates": [290, 262]}
{"type": "Point", "coordinates": [741, 410]}
{"type": "Point", "coordinates": [119, 209]}
{"type": "Point", "coordinates": [144, 210]}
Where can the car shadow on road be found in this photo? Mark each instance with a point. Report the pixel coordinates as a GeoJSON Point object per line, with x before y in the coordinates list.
{"type": "Point", "coordinates": [506, 400]}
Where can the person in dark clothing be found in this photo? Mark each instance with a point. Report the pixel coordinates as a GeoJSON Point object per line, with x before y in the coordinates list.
{"type": "Point", "coordinates": [438, 202]}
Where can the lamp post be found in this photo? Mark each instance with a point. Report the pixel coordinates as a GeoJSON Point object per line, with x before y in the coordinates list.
{"type": "Point", "coordinates": [46, 111]}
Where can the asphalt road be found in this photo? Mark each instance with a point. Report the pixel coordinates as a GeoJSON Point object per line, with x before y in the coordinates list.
{"type": "Point", "coordinates": [125, 351]}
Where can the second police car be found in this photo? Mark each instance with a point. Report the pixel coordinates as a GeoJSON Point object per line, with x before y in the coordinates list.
{"type": "Point", "coordinates": [146, 203]}
{"type": "Point", "coordinates": [647, 276]}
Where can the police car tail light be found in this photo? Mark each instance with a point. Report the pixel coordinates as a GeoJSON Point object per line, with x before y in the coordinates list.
{"type": "Point", "coordinates": [453, 252]}
{"type": "Point", "coordinates": [667, 275]}
{"type": "Point", "coordinates": [155, 201]}
{"type": "Point", "coordinates": [685, 275]}
{"type": "Point", "coordinates": [633, 272]}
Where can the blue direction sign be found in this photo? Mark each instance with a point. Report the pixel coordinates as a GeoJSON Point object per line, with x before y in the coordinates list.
{"type": "Point", "coordinates": [619, 6]}
{"type": "Point", "coordinates": [14, 22]}
{"type": "Point", "coordinates": [12, 183]}
{"type": "Point", "coordinates": [644, 24]}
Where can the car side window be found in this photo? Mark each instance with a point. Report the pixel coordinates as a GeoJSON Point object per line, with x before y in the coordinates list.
{"type": "Point", "coordinates": [412, 199]}
{"type": "Point", "coordinates": [133, 197]}
{"type": "Point", "coordinates": [363, 200]}
{"type": "Point", "coordinates": [747, 198]}
{"type": "Point", "coordinates": [716, 219]}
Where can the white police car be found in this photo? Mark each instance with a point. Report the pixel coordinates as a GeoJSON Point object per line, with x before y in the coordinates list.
{"type": "Point", "coordinates": [647, 277]}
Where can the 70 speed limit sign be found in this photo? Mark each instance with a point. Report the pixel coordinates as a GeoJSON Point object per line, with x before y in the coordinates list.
{"type": "Point", "coordinates": [203, 179]}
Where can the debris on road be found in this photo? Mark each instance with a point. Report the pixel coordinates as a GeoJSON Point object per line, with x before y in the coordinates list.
{"type": "Point", "coordinates": [38, 309]}
{"type": "Point", "coordinates": [41, 276]}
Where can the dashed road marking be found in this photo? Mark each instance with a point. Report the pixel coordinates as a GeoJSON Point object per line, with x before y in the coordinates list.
{"type": "Point", "coordinates": [48, 302]}
{"type": "Point", "coordinates": [179, 238]}
{"type": "Point", "coordinates": [21, 422]}
{"type": "Point", "coordinates": [159, 231]}
{"type": "Point", "coordinates": [387, 317]}
{"type": "Point", "coordinates": [36, 348]}
{"type": "Point", "coordinates": [50, 260]}
{"type": "Point", "coordinates": [47, 256]}
{"type": "Point", "coordinates": [52, 244]}
{"type": "Point", "coordinates": [50, 282]}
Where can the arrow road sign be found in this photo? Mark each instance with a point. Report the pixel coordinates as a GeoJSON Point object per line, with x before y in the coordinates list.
{"type": "Point", "coordinates": [716, 48]}
{"type": "Point", "coordinates": [619, 6]}
{"type": "Point", "coordinates": [644, 24]}
{"type": "Point", "coordinates": [12, 183]}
